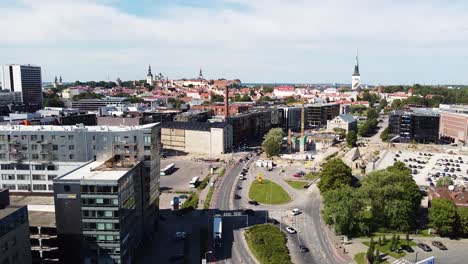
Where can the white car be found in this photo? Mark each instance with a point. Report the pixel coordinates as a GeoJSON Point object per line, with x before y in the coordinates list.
{"type": "Point", "coordinates": [181, 235]}
{"type": "Point", "coordinates": [291, 230]}
{"type": "Point", "coordinates": [241, 177]}
{"type": "Point", "coordinates": [295, 211]}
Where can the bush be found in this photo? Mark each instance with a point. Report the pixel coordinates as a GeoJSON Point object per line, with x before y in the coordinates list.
{"type": "Point", "coordinates": [204, 183]}
{"type": "Point", "coordinates": [268, 244]}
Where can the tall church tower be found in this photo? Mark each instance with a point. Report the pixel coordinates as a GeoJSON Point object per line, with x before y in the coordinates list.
{"type": "Point", "coordinates": [356, 78]}
{"type": "Point", "coordinates": [149, 76]}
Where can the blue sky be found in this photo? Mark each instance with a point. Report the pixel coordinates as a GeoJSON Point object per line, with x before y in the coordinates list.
{"type": "Point", "coordinates": [399, 42]}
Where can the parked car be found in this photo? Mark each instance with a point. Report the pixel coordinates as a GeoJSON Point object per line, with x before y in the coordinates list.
{"type": "Point", "coordinates": [439, 245]}
{"type": "Point", "coordinates": [407, 248]}
{"type": "Point", "coordinates": [303, 249]}
{"type": "Point", "coordinates": [291, 230]}
{"type": "Point", "coordinates": [239, 187]}
{"type": "Point", "coordinates": [253, 202]}
{"type": "Point", "coordinates": [273, 221]}
{"type": "Point", "coordinates": [180, 235]}
{"type": "Point", "coordinates": [295, 211]}
{"type": "Point", "coordinates": [237, 197]}
{"type": "Point", "coordinates": [297, 175]}
{"type": "Point", "coordinates": [424, 247]}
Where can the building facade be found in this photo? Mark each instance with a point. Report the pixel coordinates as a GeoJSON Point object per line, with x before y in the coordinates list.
{"type": "Point", "coordinates": [345, 121]}
{"type": "Point", "coordinates": [197, 137]}
{"type": "Point", "coordinates": [25, 79]}
{"type": "Point", "coordinates": [454, 126]}
{"type": "Point", "coordinates": [317, 115]}
{"type": "Point", "coordinates": [418, 124]}
{"type": "Point", "coordinates": [15, 247]}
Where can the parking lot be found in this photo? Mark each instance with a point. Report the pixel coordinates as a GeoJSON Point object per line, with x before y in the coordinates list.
{"type": "Point", "coordinates": [455, 253]}
{"type": "Point", "coordinates": [427, 167]}
{"type": "Point", "coordinates": [185, 171]}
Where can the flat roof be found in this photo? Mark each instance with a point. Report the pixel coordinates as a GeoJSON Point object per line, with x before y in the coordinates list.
{"type": "Point", "coordinates": [193, 125]}
{"type": "Point", "coordinates": [97, 170]}
{"type": "Point", "coordinates": [41, 218]}
{"type": "Point", "coordinates": [32, 200]}
{"type": "Point", "coordinates": [9, 127]}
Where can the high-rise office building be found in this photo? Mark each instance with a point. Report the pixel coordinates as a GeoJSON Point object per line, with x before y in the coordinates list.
{"type": "Point", "coordinates": [25, 79]}
{"type": "Point", "coordinates": [418, 124]}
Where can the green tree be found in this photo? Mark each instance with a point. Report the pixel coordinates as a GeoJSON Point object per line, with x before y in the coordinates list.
{"type": "Point", "coordinates": [443, 216]}
{"type": "Point", "coordinates": [384, 135]}
{"type": "Point", "coordinates": [396, 104]}
{"type": "Point", "coordinates": [383, 103]}
{"type": "Point", "coordinates": [340, 131]}
{"type": "Point", "coordinates": [463, 217]}
{"type": "Point", "coordinates": [216, 98]}
{"type": "Point", "coordinates": [334, 174]}
{"type": "Point", "coordinates": [272, 142]}
{"type": "Point", "coordinates": [343, 209]}
{"type": "Point", "coordinates": [268, 89]}
{"type": "Point", "coordinates": [370, 251]}
{"type": "Point", "coordinates": [351, 138]}
{"type": "Point", "coordinates": [444, 182]}
{"type": "Point", "coordinates": [372, 113]}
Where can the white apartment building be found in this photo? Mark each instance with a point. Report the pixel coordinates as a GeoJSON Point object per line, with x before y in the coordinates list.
{"type": "Point", "coordinates": [32, 156]}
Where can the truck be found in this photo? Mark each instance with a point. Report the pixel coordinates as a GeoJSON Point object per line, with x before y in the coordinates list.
{"type": "Point", "coordinates": [217, 230]}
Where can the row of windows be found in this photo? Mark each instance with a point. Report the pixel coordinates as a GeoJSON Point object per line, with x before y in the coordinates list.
{"type": "Point", "coordinates": [99, 189]}
{"type": "Point", "coordinates": [25, 177]}
{"type": "Point", "coordinates": [27, 187]}
{"type": "Point", "coordinates": [32, 137]}
{"type": "Point", "coordinates": [99, 214]}
{"type": "Point", "coordinates": [100, 201]}
{"type": "Point", "coordinates": [21, 166]}
{"type": "Point", "coordinates": [100, 226]}
{"type": "Point", "coordinates": [102, 238]}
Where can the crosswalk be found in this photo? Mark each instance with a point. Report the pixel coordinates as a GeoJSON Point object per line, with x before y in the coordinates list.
{"type": "Point", "coordinates": [402, 261]}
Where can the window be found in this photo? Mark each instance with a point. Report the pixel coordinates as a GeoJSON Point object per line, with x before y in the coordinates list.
{"type": "Point", "coordinates": [9, 186]}
{"type": "Point", "coordinates": [147, 139]}
{"type": "Point", "coordinates": [101, 226]}
{"type": "Point", "coordinates": [51, 187]}
{"type": "Point", "coordinates": [54, 137]}
{"type": "Point", "coordinates": [72, 156]}
{"type": "Point", "coordinates": [8, 177]}
{"type": "Point", "coordinates": [147, 147]}
{"type": "Point", "coordinates": [33, 147]}
{"type": "Point", "coordinates": [51, 177]}
{"type": "Point", "coordinates": [22, 177]}
{"type": "Point", "coordinates": [2, 156]}
{"type": "Point", "coordinates": [116, 138]}
{"type": "Point", "coordinates": [39, 187]}
{"type": "Point", "coordinates": [54, 147]}
{"type": "Point", "coordinates": [24, 187]}
{"type": "Point", "coordinates": [109, 226]}
{"type": "Point", "coordinates": [38, 177]}
{"type": "Point", "coordinates": [70, 137]}
{"type": "Point", "coordinates": [115, 201]}
{"type": "Point", "coordinates": [33, 137]}
{"type": "Point", "coordinates": [147, 157]}
{"type": "Point", "coordinates": [99, 201]}
{"type": "Point", "coordinates": [108, 214]}
{"type": "Point", "coordinates": [66, 188]}
{"type": "Point", "coordinates": [94, 137]}
{"type": "Point", "coordinates": [35, 156]}
{"type": "Point", "coordinates": [71, 147]}
{"type": "Point", "coordinates": [22, 166]}
{"type": "Point", "coordinates": [51, 167]}
{"type": "Point", "coordinates": [2, 137]}
{"type": "Point", "coordinates": [7, 166]}
{"type": "Point", "coordinates": [39, 167]}
{"type": "Point", "coordinates": [2, 146]}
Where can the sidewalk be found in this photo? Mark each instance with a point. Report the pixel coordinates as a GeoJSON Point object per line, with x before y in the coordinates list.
{"type": "Point", "coordinates": [203, 194]}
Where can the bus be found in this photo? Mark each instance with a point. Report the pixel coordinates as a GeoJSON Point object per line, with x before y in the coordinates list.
{"type": "Point", "coordinates": [217, 230]}
{"type": "Point", "coordinates": [168, 169]}
{"type": "Point", "coordinates": [194, 182]}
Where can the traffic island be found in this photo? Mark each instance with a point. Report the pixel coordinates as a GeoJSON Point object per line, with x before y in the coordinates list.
{"type": "Point", "coordinates": [268, 244]}
{"type": "Point", "coordinates": [268, 192]}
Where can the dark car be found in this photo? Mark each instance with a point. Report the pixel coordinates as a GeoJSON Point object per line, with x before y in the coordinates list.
{"type": "Point", "coordinates": [176, 257]}
{"type": "Point", "coordinates": [439, 245]}
{"type": "Point", "coordinates": [303, 249]}
{"type": "Point", "coordinates": [253, 202]}
{"type": "Point", "coordinates": [273, 221]}
{"type": "Point", "coordinates": [236, 196]}
{"type": "Point", "coordinates": [239, 187]}
{"type": "Point", "coordinates": [407, 248]}
{"type": "Point", "coordinates": [424, 247]}
{"type": "Point", "coordinates": [397, 155]}
{"type": "Point", "coordinates": [249, 212]}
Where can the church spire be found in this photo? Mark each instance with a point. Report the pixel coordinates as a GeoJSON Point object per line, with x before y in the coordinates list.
{"type": "Point", "coordinates": [356, 66]}
{"type": "Point", "coordinates": [200, 75]}
{"type": "Point", "coordinates": [149, 70]}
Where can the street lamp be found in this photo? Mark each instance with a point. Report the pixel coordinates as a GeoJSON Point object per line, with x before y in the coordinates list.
{"type": "Point", "coordinates": [416, 260]}
{"type": "Point", "coordinates": [206, 253]}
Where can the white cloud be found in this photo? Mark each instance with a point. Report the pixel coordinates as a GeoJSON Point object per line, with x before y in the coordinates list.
{"type": "Point", "coordinates": [250, 42]}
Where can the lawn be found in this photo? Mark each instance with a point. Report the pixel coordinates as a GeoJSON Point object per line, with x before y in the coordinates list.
{"type": "Point", "coordinates": [204, 183]}
{"type": "Point", "coordinates": [297, 184]}
{"type": "Point", "coordinates": [312, 175]}
{"type": "Point", "coordinates": [206, 205]}
{"type": "Point", "coordinates": [268, 244]}
{"type": "Point", "coordinates": [268, 192]}
{"type": "Point", "coordinates": [191, 203]}
{"type": "Point", "coordinates": [360, 258]}
{"type": "Point", "coordinates": [385, 248]}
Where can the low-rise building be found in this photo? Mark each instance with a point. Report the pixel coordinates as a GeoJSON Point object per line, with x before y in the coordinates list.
{"type": "Point", "coordinates": [218, 109]}
{"type": "Point", "coordinates": [454, 125]}
{"type": "Point", "coordinates": [15, 246]}
{"type": "Point", "coordinates": [197, 137]}
{"type": "Point", "coordinates": [344, 121]}
{"type": "Point", "coordinates": [418, 124]}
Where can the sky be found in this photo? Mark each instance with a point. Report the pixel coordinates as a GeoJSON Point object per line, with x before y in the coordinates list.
{"type": "Point", "coordinates": [300, 41]}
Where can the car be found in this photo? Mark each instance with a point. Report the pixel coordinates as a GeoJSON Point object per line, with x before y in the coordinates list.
{"type": "Point", "coordinates": [291, 230]}
{"type": "Point", "coordinates": [407, 248]}
{"type": "Point", "coordinates": [439, 245]}
{"type": "Point", "coordinates": [174, 258]}
{"type": "Point", "coordinates": [424, 247]}
{"type": "Point", "coordinates": [295, 211]}
{"type": "Point", "coordinates": [249, 212]}
{"type": "Point", "coordinates": [237, 197]}
{"type": "Point", "coordinates": [431, 184]}
{"type": "Point", "coordinates": [241, 177]}
{"type": "Point", "coordinates": [180, 235]}
{"type": "Point", "coordinates": [301, 173]}
{"type": "Point", "coordinates": [253, 202]}
{"type": "Point", "coordinates": [303, 249]}
{"type": "Point", "coordinates": [297, 175]}
{"type": "Point", "coordinates": [397, 155]}
{"type": "Point", "coordinates": [405, 160]}
{"type": "Point", "coordinates": [183, 196]}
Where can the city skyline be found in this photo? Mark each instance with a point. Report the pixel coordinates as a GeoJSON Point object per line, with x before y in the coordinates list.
{"type": "Point", "coordinates": [275, 42]}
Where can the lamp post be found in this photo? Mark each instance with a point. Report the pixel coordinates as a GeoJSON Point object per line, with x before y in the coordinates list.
{"type": "Point", "coordinates": [416, 260]}
{"type": "Point", "coordinates": [206, 253]}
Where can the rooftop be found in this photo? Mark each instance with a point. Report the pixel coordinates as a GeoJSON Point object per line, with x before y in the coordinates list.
{"type": "Point", "coordinates": [101, 171]}
{"type": "Point", "coordinates": [9, 127]}
{"type": "Point", "coordinates": [9, 210]}
{"type": "Point", "coordinates": [347, 118]}
{"type": "Point", "coordinates": [417, 112]}
{"type": "Point", "coordinates": [41, 218]}
{"type": "Point", "coordinates": [201, 126]}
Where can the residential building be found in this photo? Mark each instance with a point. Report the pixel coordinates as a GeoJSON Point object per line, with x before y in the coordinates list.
{"type": "Point", "coordinates": [418, 124]}
{"type": "Point", "coordinates": [197, 137]}
{"type": "Point", "coordinates": [15, 247]}
{"type": "Point", "coordinates": [454, 127]}
{"type": "Point", "coordinates": [194, 116]}
{"type": "Point", "coordinates": [95, 104]}
{"type": "Point", "coordinates": [219, 109]}
{"type": "Point", "coordinates": [25, 79]}
{"type": "Point", "coordinates": [250, 125]}
{"type": "Point", "coordinates": [317, 115]}
{"type": "Point", "coordinates": [100, 212]}
{"type": "Point", "coordinates": [344, 121]}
